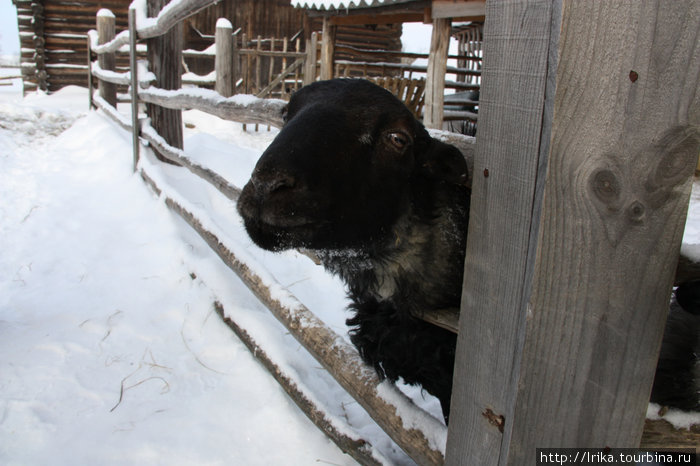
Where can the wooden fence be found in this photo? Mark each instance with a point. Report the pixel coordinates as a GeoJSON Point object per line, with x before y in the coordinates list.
{"type": "Point", "coordinates": [276, 67]}
{"type": "Point", "coordinates": [343, 362]}
{"type": "Point", "coordinates": [528, 252]}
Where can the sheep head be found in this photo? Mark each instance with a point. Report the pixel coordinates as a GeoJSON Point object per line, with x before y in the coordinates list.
{"type": "Point", "coordinates": [349, 161]}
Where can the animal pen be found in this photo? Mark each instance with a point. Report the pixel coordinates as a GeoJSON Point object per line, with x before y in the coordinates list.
{"type": "Point", "coordinates": [580, 179]}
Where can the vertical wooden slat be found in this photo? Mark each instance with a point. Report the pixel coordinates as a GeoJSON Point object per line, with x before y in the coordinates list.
{"type": "Point", "coordinates": [285, 48]}
{"type": "Point", "coordinates": [311, 58]}
{"type": "Point", "coordinates": [235, 65]}
{"type": "Point", "coordinates": [246, 65]}
{"type": "Point", "coordinates": [91, 105]}
{"type": "Point", "coordinates": [508, 162]}
{"type": "Point", "coordinates": [435, 77]}
{"type": "Point", "coordinates": [223, 66]}
{"type": "Point", "coordinates": [296, 72]}
{"type": "Point", "coordinates": [327, 48]}
{"type": "Point", "coordinates": [613, 238]}
{"type": "Point", "coordinates": [133, 68]}
{"type": "Point", "coordinates": [106, 61]}
{"type": "Point", "coordinates": [258, 64]}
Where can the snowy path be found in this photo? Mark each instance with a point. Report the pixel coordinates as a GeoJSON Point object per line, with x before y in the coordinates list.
{"type": "Point", "coordinates": [111, 352]}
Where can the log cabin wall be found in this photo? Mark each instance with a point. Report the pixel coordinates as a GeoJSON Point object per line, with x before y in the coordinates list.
{"type": "Point", "coordinates": [54, 47]}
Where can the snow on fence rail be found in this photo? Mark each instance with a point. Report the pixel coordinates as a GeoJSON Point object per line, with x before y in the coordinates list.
{"type": "Point", "coordinates": [415, 431]}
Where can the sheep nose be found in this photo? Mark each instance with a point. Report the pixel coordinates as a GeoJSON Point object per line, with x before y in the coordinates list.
{"type": "Point", "coordinates": [269, 183]}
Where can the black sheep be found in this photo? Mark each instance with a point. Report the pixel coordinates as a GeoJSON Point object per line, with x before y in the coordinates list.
{"type": "Point", "coordinates": [355, 177]}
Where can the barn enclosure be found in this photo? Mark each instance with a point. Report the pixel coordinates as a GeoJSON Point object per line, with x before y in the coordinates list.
{"type": "Point", "coordinates": [581, 177]}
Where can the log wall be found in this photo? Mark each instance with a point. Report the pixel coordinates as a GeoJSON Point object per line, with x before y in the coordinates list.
{"type": "Point", "coordinates": [54, 50]}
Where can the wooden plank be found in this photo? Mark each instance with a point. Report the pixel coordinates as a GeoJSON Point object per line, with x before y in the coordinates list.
{"type": "Point", "coordinates": [458, 9]}
{"type": "Point", "coordinates": [135, 146]}
{"type": "Point", "coordinates": [504, 195]}
{"type": "Point", "coordinates": [388, 18]}
{"type": "Point", "coordinates": [327, 49]}
{"type": "Point", "coordinates": [616, 236]}
{"type": "Point", "coordinates": [578, 268]}
{"type": "Point", "coordinates": [435, 78]}
{"type": "Point", "coordinates": [311, 59]}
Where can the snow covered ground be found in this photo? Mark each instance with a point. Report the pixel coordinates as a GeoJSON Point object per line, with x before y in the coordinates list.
{"type": "Point", "coordinates": [110, 349]}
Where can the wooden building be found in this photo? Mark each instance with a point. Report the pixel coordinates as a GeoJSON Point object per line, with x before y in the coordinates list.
{"type": "Point", "coordinates": [440, 13]}
{"type": "Point", "coordinates": [54, 46]}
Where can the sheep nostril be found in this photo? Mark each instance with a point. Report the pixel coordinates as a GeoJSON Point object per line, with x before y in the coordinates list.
{"type": "Point", "coordinates": [269, 184]}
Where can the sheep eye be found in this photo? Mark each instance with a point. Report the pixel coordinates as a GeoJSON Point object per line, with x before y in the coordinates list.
{"type": "Point", "coordinates": [398, 140]}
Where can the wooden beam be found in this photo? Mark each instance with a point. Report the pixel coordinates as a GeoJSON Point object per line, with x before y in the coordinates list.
{"type": "Point", "coordinates": [435, 79]}
{"type": "Point", "coordinates": [576, 223]}
{"type": "Point", "coordinates": [394, 18]}
{"type": "Point", "coordinates": [458, 8]}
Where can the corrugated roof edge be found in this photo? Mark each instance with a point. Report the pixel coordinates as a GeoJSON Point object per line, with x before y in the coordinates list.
{"type": "Point", "coordinates": [343, 4]}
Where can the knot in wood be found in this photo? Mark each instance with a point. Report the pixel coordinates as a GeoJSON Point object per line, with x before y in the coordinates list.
{"type": "Point", "coordinates": [636, 212]}
{"type": "Point", "coordinates": [605, 186]}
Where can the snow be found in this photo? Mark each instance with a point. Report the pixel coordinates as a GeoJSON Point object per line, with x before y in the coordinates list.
{"type": "Point", "coordinates": [109, 340]}
{"type": "Point", "coordinates": [110, 343]}
{"type": "Point", "coordinates": [223, 23]}
{"type": "Point", "coordinates": [105, 13]}
{"type": "Point", "coordinates": [677, 418]}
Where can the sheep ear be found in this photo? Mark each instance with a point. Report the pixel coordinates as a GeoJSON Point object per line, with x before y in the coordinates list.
{"type": "Point", "coordinates": [446, 163]}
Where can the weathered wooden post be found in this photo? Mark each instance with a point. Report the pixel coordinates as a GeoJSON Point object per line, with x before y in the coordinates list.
{"type": "Point", "coordinates": [433, 110]}
{"type": "Point", "coordinates": [311, 58]}
{"type": "Point", "coordinates": [327, 48]}
{"type": "Point", "coordinates": [133, 68]}
{"type": "Point", "coordinates": [235, 63]}
{"type": "Point", "coordinates": [106, 61]}
{"type": "Point", "coordinates": [91, 105]}
{"type": "Point", "coordinates": [586, 148]}
{"type": "Point", "coordinates": [223, 62]}
{"type": "Point", "coordinates": [164, 60]}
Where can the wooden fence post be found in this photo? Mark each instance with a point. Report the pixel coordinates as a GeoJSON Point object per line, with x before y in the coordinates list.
{"type": "Point", "coordinates": [311, 58]}
{"type": "Point", "coordinates": [327, 49]}
{"type": "Point", "coordinates": [91, 105]}
{"type": "Point", "coordinates": [107, 61]}
{"type": "Point", "coordinates": [235, 64]}
{"type": "Point", "coordinates": [435, 77]}
{"type": "Point", "coordinates": [582, 179]}
{"type": "Point", "coordinates": [133, 68]}
{"type": "Point", "coordinates": [165, 61]}
{"type": "Point", "coordinates": [223, 63]}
